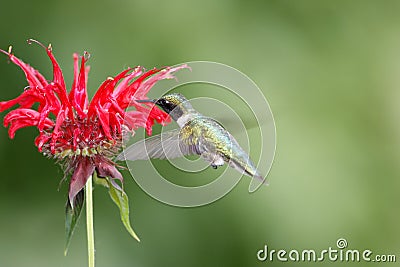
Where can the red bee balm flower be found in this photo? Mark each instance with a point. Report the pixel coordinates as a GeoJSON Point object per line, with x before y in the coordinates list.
{"type": "Point", "coordinates": [84, 135]}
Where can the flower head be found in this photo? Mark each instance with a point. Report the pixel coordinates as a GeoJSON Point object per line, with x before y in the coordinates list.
{"type": "Point", "coordinates": [83, 134]}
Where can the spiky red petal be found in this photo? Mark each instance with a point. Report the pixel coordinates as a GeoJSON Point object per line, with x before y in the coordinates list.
{"type": "Point", "coordinates": [70, 127]}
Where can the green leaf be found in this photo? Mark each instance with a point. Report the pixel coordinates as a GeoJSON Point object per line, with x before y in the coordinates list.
{"type": "Point", "coordinates": [120, 198]}
{"type": "Point", "coordinates": [100, 180]}
{"type": "Point", "coordinates": [72, 216]}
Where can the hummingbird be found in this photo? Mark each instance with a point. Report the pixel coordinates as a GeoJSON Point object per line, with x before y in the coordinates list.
{"type": "Point", "coordinates": [197, 135]}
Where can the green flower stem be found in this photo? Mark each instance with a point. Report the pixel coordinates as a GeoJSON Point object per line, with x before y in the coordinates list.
{"type": "Point", "coordinates": [89, 220]}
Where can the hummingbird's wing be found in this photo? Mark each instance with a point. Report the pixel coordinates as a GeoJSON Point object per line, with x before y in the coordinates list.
{"type": "Point", "coordinates": [161, 146]}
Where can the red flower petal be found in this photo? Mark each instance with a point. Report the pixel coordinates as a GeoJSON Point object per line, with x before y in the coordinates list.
{"type": "Point", "coordinates": [21, 118]}
{"type": "Point", "coordinates": [78, 95]}
{"type": "Point", "coordinates": [124, 95]}
{"type": "Point", "coordinates": [32, 76]}
{"type": "Point", "coordinates": [106, 168]}
{"type": "Point", "coordinates": [82, 172]}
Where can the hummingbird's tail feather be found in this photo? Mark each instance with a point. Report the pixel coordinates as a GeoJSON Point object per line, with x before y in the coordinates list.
{"type": "Point", "coordinates": [250, 170]}
{"type": "Point", "coordinates": [257, 182]}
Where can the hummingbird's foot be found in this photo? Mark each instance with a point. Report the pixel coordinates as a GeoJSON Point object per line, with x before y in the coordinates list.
{"type": "Point", "coordinates": [214, 166]}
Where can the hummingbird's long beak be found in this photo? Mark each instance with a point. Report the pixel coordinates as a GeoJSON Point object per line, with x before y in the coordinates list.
{"type": "Point", "coordinates": [146, 101]}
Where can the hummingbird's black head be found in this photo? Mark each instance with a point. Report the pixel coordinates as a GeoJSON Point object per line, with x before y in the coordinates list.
{"type": "Point", "coordinates": [174, 104]}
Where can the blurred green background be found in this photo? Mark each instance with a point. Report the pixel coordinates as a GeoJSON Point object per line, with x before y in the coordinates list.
{"type": "Point", "coordinates": [330, 70]}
